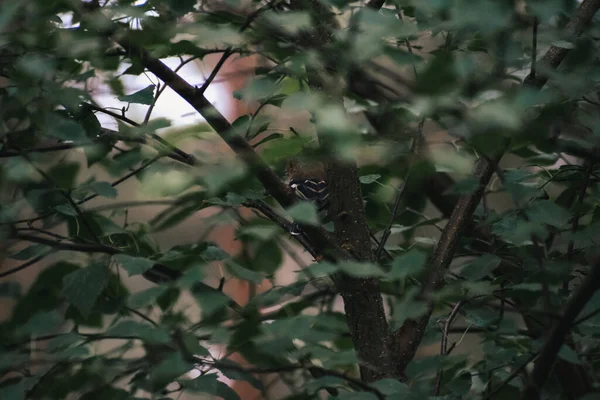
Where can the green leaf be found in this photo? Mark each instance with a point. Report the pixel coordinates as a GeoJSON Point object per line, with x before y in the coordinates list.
{"type": "Point", "coordinates": [168, 370]}
{"type": "Point", "coordinates": [243, 273]}
{"type": "Point", "coordinates": [258, 89]}
{"type": "Point", "coordinates": [61, 342]}
{"type": "Point", "coordinates": [260, 232]}
{"type": "Point", "coordinates": [209, 301]}
{"type": "Point", "coordinates": [41, 324]}
{"type": "Point", "coordinates": [134, 265]}
{"type": "Point", "coordinates": [547, 212]}
{"type": "Point", "coordinates": [82, 287]}
{"type": "Point", "coordinates": [268, 138]}
{"type": "Point", "coordinates": [96, 152]}
{"type": "Point", "coordinates": [31, 251]}
{"type": "Point", "coordinates": [215, 253]}
{"type": "Point", "coordinates": [192, 345]}
{"type": "Point", "coordinates": [366, 179]}
{"type": "Point", "coordinates": [480, 267]}
{"type": "Point", "coordinates": [104, 189]}
{"type": "Point", "coordinates": [408, 264]}
{"type": "Point", "coordinates": [464, 186]}
{"type": "Point", "coordinates": [361, 269]}
{"type": "Point", "coordinates": [134, 329]}
{"type": "Point", "coordinates": [144, 96]}
{"type": "Point", "coordinates": [321, 269]}
{"type": "Point", "coordinates": [304, 212]}
{"type": "Point", "coordinates": [267, 257]}
{"type": "Point", "coordinates": [210, 385]}
{"type": "Point", "coordinates": [408, 308]}
{"type": "Point", "coordinates": [240, 375]}
{"type": "Point", "coordinates": [64, 128]}
{"type": "Point", "coordinates": [569, 355]}
{"type": "Point", "coordinates": [145, 297]}
{"type": "Point", "coordinates": [66, 209]}
{"type": "Point", "coordinates": [391, 387]}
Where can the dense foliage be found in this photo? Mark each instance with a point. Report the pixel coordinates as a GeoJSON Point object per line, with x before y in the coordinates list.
{"type": "Point", "coordinates": [473, 210]}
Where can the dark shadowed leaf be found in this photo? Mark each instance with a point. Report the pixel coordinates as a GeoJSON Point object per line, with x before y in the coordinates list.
{"type": "Point", "coordinates": [144, 96]}
{"type": "Point", "coordinates": [210, 385]}
{"type": "Point", "coordinates": [134, 265]}
{"type": "Point", "coordinates": [145, 297]}
{"type": "Point", "coordinates": [83, 286]}
{"type": "Point", "coordinates": [408, 264]}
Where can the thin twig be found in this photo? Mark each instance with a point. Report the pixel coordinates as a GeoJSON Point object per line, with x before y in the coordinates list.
{"type": "Point", "coordinates": [215, 71]}
{"type": "Point", "coordinates": [444, 343]}
{"type": "Point", "coordinates": [186, 158]}
{"type": "Point", "coordinates": [70, 246]}
{"type": "Point", "coordinates": [92, 196]}
{"type": "Point", "coordinates": [27, 264]}
{"type": "Point", "coordinates": [162, 88]}
{"type": "Point", "coordinates": [400, 194]}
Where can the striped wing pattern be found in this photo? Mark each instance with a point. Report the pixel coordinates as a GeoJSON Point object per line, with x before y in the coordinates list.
{"type": "Point", "coordinates": [312, 190]}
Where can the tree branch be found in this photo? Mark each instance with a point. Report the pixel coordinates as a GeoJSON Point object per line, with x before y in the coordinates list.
{"type": "Point", "coordinates": [545, 362]}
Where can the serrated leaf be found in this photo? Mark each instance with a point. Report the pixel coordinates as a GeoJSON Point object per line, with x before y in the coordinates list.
{"type": "Point", "coordinates": [569, 355]}
{"type": "Point", "coordinates": [408, 264]}
{"type": "Point", "coordinates": [104, 189]}
{"type": "Point", "coordinates": [391, 386]}
{"type": "Point", "coordinates": [318, 270]}
{"type": "Point", "coordinates": [64, 128]}
{"type": "Point", "coordinates": [63, 341]}
{"type": "Point", "coordinates": [244, 273]}
{"type": "Point", "coordinates": [41, 323]}
{"type": "Point", "coordinates": [168, 370]}
{"type": "Point", "coordinates": [145, 297]}
{"type": "Point", "coordinates": [260, 232]}
{"type": "Point", "coordinates": [239, 375]}
{"type": "Point", "coordinates": [192, 345]}
{"type": "Point", "coordinates": [210, 385]}
{"type": "Point", "coordinates": [66, 209]}
{"type": "Point", "coordinates": [134, 265]}
{"type": "Point", "coordinates": [480, 267]}
{"type": "Point", "coordinates": [547, 212]}
{"type": "Point", "coordinates": [408, 308]}
{"type": "Point", "coordinates": [304, 212]}
{"type": "Point", "coordinates": [215, 253]}
{"type": "Point", "coordinates": [361, 269]}
{"type": "Point", "coordinates": [367, 179]}
{"type": "Point", "coordinates": [82, 287]}
{"type": "Point", "coordinates": [144, 96]}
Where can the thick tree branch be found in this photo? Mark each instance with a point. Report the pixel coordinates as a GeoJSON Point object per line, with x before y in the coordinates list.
{"type": "Point", "coordinates": [549, 352]}
{"type": "Point", "coordinates": [363, 304]}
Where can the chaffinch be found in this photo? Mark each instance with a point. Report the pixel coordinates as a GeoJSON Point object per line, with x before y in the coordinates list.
{"type": "Point", "coordinates": [307, 179]}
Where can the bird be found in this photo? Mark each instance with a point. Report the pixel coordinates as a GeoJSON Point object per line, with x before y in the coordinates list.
{"type": "Point", "coordinates": [308, 182]}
